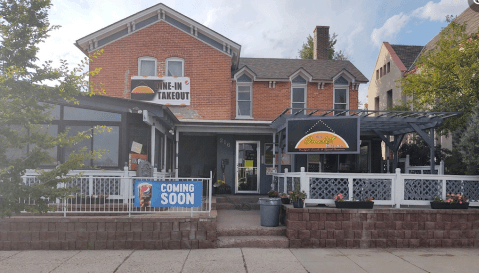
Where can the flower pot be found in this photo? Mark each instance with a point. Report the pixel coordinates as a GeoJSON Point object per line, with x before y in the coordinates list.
{"type": "Point", "coordinates": [285, 201]}
{"type": "Point", "coordinates": [354, 205]}
{"type": "Point", "coordinates": [298, 203]}
{"type": "Point", "coordinates": [444, 205]}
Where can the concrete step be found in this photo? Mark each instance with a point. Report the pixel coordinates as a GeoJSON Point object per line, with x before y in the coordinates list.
{"type": "Point", "coordinates": [251, 231]}
{"type": "Point", "coordinates": [238, 199]}
{"type": "Point", "coordinates": [230, 206]}
{"type": "Point", "coordinates": [252, 241]}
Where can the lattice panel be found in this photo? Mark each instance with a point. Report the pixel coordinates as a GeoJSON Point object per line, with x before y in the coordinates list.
{"type": "Point", "coordinates": [82, 183]}
{"type": "Point", "coordinates": [421, 189]}
{"type": "Point", "coordinates": [108, 186]}
{"type": "Point", "coordinates": [469, 189]}
{"type": "Point", "coordinates": [379, 189]}
{"type": "Point", "coordinates": [327, 188]}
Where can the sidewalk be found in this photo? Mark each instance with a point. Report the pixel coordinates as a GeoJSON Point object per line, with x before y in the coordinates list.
{"type": "Point", "coordinates": [243, 260]}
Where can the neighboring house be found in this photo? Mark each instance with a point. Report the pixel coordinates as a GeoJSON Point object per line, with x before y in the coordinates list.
{"type": "Point", "coordinates": [224, 102]}
{"type": "Point", "coordinates": [395, 60]}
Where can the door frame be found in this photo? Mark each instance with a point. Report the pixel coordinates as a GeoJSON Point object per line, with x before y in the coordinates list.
{"type": "Point", "coordinates": [258, 163]}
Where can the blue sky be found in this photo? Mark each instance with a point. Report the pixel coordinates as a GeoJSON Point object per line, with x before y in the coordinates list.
{"type": "Point", "coordinates": [269, 28]}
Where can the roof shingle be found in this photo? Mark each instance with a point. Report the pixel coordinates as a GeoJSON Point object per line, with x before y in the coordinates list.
{"type": "Point", "coordinates": [266, 68]}
{"type": "Point", "coordinates": [407, 54]}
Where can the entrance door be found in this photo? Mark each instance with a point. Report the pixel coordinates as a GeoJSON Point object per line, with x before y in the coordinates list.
{"type": "Point", "coordinates": [247, 163]}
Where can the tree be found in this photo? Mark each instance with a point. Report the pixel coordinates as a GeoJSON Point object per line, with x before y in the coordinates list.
{"type": "Point", "coordinates": [446, 78]}
{"type": "Point", "coordinates": [468, 145]}
{"type": "Point", "coordinates": [306, 52]}
{"type": "Point", "coordinates": [26, 103]}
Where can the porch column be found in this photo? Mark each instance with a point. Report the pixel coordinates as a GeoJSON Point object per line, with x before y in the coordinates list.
{"type": "Point", "coordinates": [177, 134]}
{"type": "Point", "coordinates": [274, 151]}
{"type": "Point", "coordinates": [165, 152]}
{"type": "Point", "coordinates": [153, 142]}
{"type": "Point", "coordinates": [432, 152]}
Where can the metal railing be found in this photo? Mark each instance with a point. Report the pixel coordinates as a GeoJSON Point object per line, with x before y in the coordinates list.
{"type": "Point", "coordinates": [113, 192]}
{"type": "Point", "coordinates": [387, 189]}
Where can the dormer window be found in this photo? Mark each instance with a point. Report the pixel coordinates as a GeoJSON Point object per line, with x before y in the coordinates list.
{"type": "Point", "coordinates": [175, 67]}
{"type": "Point", "coordinates": [244, 94]}
{"type": "Point", "coordinates": [146, 66]}
{"type": "Point", "coordinates": [341, 95]}
{"type": "Point", "coordinates": [298, 93]}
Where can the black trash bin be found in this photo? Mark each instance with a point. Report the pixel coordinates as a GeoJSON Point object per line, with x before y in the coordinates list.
{"type": "Point", "coordinates": [269, 208]}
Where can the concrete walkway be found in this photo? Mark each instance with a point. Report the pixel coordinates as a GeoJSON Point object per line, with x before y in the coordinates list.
{"type": "Point", "coordinates": [243, 260]}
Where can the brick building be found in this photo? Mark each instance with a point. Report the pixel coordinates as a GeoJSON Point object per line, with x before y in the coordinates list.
{"type": "Point", "coordinates": [223, 104]}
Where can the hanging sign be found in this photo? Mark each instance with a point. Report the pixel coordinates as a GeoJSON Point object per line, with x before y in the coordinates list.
{"type": "Point", "coordinates": [161, 90]}
{"type": "Point", "coordinates": [323, 135]}
{"type": "Point", "coordinates": [168, 194]}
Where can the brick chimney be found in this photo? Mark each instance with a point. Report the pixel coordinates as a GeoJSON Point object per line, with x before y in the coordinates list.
{"type": "Point", "coordinates": [321, 42]}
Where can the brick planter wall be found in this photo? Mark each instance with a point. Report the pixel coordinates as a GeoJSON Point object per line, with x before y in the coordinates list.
{"type": "Point", "coordinates": [381, 228]}
{"type": "Point", "coordinates": [115, 232]}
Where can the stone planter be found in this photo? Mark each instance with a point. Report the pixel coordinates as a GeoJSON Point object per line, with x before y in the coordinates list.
{"type": "Point", "coordinates": [354, 205]}
{"type": "Point", "coordinates": [444, 205]}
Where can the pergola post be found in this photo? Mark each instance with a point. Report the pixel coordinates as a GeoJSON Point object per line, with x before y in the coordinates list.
{"type": "Point", "coordinates": [429, 139]}
{"type": "Point", "coordinates": [432, 152]}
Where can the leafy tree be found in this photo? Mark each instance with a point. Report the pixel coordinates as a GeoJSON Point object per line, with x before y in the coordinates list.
{"type": "Point", "coordinates": [446, 78]}
{"type": "Point", "coordinates": [25, 111]}
{"type": "Point", "coordinates": [306, 52]}
{"type": "Point", "coordinates": [419, 152]}
{"type": "Point", "coordinates": [468, 145]}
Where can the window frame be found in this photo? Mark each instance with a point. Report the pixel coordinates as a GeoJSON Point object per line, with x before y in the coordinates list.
{"type": "Point", "coordinates": [341, 86]}
{"type": "Point", "coordinates": [175, 59]}
{"type": "Point", "coordinates": [147, 58]}
{"type": "Point", "coordinates": [250, 85]}
{"type": "Point", "coordinates": [304, 86]}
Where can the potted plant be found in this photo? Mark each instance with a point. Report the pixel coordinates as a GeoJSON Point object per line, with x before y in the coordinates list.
{"type": "Point", "coordinates": [272, 194]}
{"type": "Point", "coordinates": [453, 201]}
{"type": "Point", "coordinates": [368, 203]}
{"type": "Point", "coordinates": [297, 197]}
{"type": "Point", "coordinates": [284, 198]}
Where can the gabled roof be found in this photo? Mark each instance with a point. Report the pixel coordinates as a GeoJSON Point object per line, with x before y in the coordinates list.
{"type": "Point", "coordinates": [469, 16]}
{"type": "Point", "coordinates": [282, 69]}
{"type": "Point", "coordinates": [407, 54]}
{"type": "Point", "coordinates": [152, 15]}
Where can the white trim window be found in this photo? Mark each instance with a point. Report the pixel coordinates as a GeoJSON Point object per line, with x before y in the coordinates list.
{"type": "Point", "coordinates": [175, 67]}
{"type": "Point", "coordinates": [244, 97]}
{"type": "Point", "coordinates": [147, 66]}
{"type": "Point", "coordinates": [299, 93]}
{"type": "Point", "coordinates": [341, 95]}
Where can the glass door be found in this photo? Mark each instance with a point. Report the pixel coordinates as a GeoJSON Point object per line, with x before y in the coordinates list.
{"type": "Point", "coordinates": [247, 171]}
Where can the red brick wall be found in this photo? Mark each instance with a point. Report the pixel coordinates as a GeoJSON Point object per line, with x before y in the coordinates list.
{"type": "Point", "coordinates": [213, 94]}
{"type": "Point", "coordinates": [120, 232]}
{"type": "Point", "coordinates": [208, 68]}
{"type": "Point", "coordinates": [382, 228]}
{"type": "Point", "coordinates": [268, 103]}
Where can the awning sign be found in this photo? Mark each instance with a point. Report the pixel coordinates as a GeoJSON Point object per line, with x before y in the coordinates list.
{"type": "Point", "coordinates": [323, 135]}
{"type": "Point", "coordinates": [164, 90]}
{"type": "Point", "coordinates": [168, 194]}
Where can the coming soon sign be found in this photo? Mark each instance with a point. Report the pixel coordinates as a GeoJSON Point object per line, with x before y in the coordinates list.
{"type": "Point", "coordinates": [164, 90]}
{"type": "Point", "coordinates": [168, 194]}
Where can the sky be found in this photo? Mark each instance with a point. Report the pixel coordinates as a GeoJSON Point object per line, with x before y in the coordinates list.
{"type": "Point", "coordinates": [269, 28]}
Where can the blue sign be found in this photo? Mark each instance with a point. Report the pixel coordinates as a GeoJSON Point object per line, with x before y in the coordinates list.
{"type": "Point", "coordinates": [168, 194]}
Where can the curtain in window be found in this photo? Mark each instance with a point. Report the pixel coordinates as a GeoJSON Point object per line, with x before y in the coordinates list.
{"type": "Point", "coordinates": [147, 68]}
{"type": "Point", "coordinates": [175, 68]}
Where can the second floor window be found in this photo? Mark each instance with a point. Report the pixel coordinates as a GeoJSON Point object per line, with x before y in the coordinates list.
{"type": "Point", "coordinates": [175, 67]}
{"type": "Point", "coordinates": [298, 93]}
{"type": "Point", "coordinates": [146, 66]}
{"type": "Point", "coordinates": [341, 95]}
{"type": "Point", "coordinates": [244, 88]}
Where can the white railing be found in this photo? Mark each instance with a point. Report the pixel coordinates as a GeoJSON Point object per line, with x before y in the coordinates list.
{"type": "Point", "coordinates": [439, 169]}
{"type": "Point", "coordinates": [387, 189]}
{"type": "Point", "coordinates": [113, 192]}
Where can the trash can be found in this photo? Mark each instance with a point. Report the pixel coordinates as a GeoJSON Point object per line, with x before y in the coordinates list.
{"type": "Point", "coordinates": [269, 208]}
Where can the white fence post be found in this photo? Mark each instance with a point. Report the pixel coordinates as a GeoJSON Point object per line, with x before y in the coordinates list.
{"type": "Point", "coordinates": [399, 187]}
{"type": "Point", "coordinates": [124, 184]}
{"type": "Point", "coordinates": [210, 185]}
{"type": "Point", "coordinates": [444, 181]}
{"type": "Point", "coordinates": [303, 181]}
{"type": "Point", "coordinates": [90, 185]}
{"type": "Point", "coordinates": [350, 186]}
{"type": "Point", "coordinates": [441, 168]}
{"type": "Point", "coordinates": [285, 179]}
